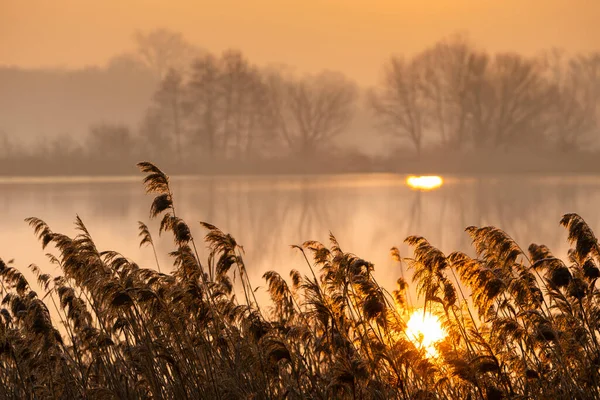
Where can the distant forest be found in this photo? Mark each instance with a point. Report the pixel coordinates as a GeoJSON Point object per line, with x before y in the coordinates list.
{"type": "Point", "coordinates": [451, 108]}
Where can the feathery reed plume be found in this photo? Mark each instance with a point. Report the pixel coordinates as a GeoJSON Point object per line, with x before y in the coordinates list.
{"type": "Point", "coordinates": [147, 240]}
{"type": "Point", "coordinates": [582, 236]}
{"type": "Point", "coordinates": [517, 325]}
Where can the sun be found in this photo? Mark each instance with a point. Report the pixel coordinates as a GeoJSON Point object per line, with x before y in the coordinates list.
{"type": "Point", "coordinates": [425, 330]}
{"type": "Point", "coordinates": [424, 182]}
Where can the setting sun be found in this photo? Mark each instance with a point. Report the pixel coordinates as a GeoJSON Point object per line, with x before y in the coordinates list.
{"type": "Point", "coordinates": [424, 182]}
{"type": "Point", "coordinates": [440, 162]}
{"type": "Point", "coordinates": [425, 330]}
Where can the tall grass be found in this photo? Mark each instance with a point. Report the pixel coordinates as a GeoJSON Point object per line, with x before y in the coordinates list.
{"type": "Point", "coordinates": [521, 325]}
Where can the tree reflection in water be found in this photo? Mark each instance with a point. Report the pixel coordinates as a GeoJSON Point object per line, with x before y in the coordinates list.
{"type": "Point", "coordinates": [367, 213]}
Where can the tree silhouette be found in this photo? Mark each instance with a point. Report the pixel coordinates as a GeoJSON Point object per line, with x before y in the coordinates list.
{"type": "Point", "coordinates": [448, 75]}
{"type": "Point", "coordinates": [163, 49]}
{"type": "Point", "coordinates": [163, 123]}
{"type": "Point", "coordinates": [310, 112]}
{"type": "Point", "coordinates": [399, 102]}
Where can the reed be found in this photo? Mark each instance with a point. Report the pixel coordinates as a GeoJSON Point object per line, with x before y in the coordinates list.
{"type": "Point", "coordinates": [521, 324]}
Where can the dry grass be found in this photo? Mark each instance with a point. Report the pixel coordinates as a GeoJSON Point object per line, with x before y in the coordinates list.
{"type": "Point", "coordinates": [126, 332]}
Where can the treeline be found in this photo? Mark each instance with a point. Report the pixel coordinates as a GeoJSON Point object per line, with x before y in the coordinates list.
{"type": "Point", "coordinates": [460, 98]}
{"type": "Point", "coordinates": [227, 108]}
{"type": "Point", "coordinates": [38, 105]}
{"type": "Point", "coordinates": [449, 107]}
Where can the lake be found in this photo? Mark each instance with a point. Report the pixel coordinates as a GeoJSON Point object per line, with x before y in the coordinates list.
{"type": "Point", "coordinates": [368, 214]}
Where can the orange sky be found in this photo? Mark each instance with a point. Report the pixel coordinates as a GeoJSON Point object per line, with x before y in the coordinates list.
{"type": "Point", "coordinates": [354, 36]}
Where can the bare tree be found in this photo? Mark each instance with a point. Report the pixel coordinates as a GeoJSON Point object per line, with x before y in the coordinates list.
{"type": "Point", "coordinates": [572, 116]}
{"type": "Point", "coordinates": [448, 75]}
{"type": "Point", "coordinates": [64, 147]}
{"type": "Point", "coordinates": [163, 124]}
{"type": "Point", "coordinates": [521, 96]}
{"type": "Point", "coordinates": [586, 72]}
{"type": "Point", "coordinates": [459, 95]}
{"type": "Point", "coordinates": [226, 106]}
{"type": "Point", "coordinates": [310, 112]}
{"type": "Point", "coordinates": [586, 69]}
{"type": "Point", "coordinates": [507, 100]}
{"type": "Point", "coordinates": [479, 95]}
{"type": "Point", "coordinates": [399, 102]}
{"type": "Point", "coordinates": [203, 104]}
{"type": "Point", "coordinates": [110, 142]}
{"type": "Point", "coordinates": [163, 49]}
{"type": "Point", "coordinates": [245, 124]}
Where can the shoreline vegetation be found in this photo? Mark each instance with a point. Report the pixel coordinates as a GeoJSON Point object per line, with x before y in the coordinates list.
{"type": "Point", "coordinates": [441, 163]}
{"type": "Point", "coordinates": [520, 323]}
{"type": "Point", "coordinates": [451, 108]}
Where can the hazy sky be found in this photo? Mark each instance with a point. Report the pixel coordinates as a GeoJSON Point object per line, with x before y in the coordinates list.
{"type": "Point", "coordinates": [354, 36]}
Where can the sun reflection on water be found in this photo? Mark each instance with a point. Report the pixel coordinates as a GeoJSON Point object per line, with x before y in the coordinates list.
{"type": "Point", "coordinates": [424, 182]}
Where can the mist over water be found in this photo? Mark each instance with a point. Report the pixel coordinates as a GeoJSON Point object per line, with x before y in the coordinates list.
{"type": "Point", "coordinates": [368, 214]}
{"type": "Point", "coordinates": [270, 199]}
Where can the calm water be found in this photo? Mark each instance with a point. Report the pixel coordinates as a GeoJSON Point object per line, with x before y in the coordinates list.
{"type": "Point", "coordinates": [367, 213]}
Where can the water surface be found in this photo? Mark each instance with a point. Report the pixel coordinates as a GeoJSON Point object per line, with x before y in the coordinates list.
{"type": "Point", "coordinates": [368, 214]}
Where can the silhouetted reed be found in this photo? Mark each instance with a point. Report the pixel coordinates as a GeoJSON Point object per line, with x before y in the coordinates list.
{"type": "Point", "coordinates": [520, 325]}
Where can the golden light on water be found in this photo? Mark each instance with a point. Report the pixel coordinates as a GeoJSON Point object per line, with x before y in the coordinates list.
{"type": "Point", "coordinates": [424, 182]}
{"type": "Point", "coordinates": [425, 330]}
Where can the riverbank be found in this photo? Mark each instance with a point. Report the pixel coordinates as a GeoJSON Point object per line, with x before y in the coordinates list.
{"type": "Point", "coordinates": [402, 162]}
